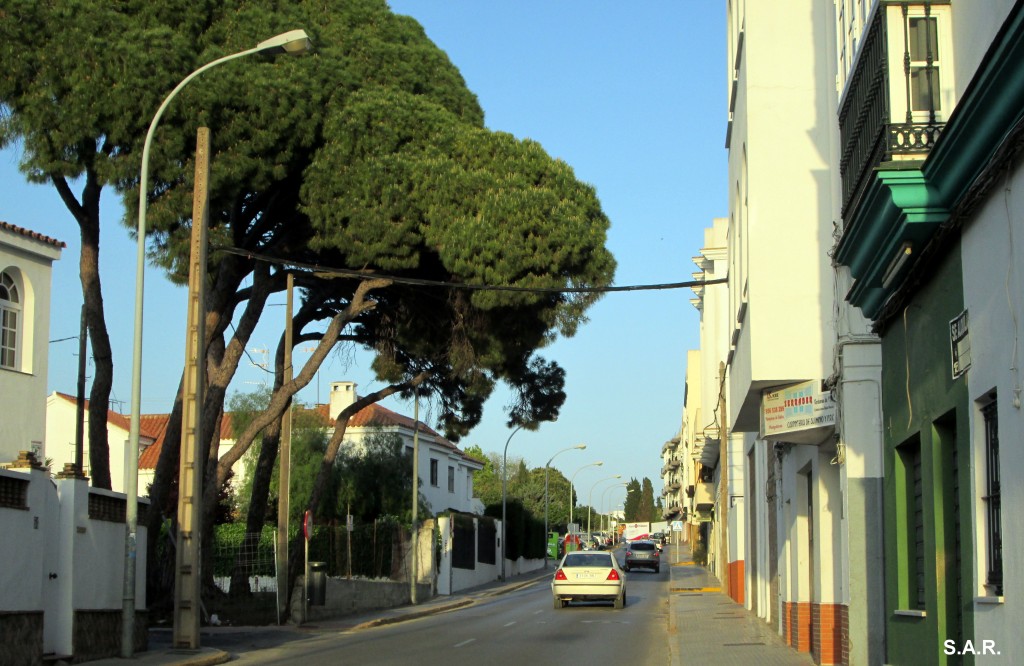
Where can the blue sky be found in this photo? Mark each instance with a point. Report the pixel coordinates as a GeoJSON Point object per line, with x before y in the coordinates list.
{"type": "Point", "coordinates": [632, 96]}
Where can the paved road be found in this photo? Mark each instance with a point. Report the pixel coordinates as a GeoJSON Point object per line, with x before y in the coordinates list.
{"type": "Point", "coordinates": [515, 628]}
{"type": "Point", "coordinates": [678, 617]}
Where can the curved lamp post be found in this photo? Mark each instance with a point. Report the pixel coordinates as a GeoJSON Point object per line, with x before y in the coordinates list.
{"type": "Point", "coordinates": [573, 479]}
{"type": "Point", "coordinates": [590, 497]}
{"type": "Point", "coordinates": [604, 494]}
{"type": "Point", "coordinates": [547, 466]}
{"type": "Point", "coordinates": [504, 481]}
{"type": "Point", "coordinates": [294, 42]}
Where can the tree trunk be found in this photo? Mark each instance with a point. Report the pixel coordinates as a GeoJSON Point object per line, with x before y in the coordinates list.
{"type": "Point", "coordinates": [254, 520]}
{"type": "Point", "coordinates": [163, 497]}
{"type": "Point", "coordinates": [103, 373]}
{"type": "Point", "coordinates": [87, 215]}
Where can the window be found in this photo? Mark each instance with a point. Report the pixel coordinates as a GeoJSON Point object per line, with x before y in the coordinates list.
{"type": "Point", "coordinates": [923, 63]}
{"type": "Point", "coordinates": [451, 479]}
{"type": "Point", "coordinates": [921, 88]}
{"type": "Point", "coordinates": [433, 472]}
{"type": "Point", "coordinates": [993, 499]}
{"type": "Point", "coordinates": [10, 312]}
{"type": "Point", "coordinates": [911, 522]}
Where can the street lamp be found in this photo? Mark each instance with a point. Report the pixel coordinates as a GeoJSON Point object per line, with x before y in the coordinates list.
{"type": "Point", "coordinates": [590, 497]}
{"type": "Point", "coordinates": [604, 493]}
{"type": "Point", "coordinates": [293, 42]}
{"type": "Point", "coordinates": [573, 478]}
{"type": "Point", "coordinates": [504, 481]}
{"type": "Point", "coordinates": [547, 466]}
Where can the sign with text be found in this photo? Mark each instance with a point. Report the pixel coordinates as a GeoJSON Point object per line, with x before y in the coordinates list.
{"type": "Point", "coordinates": [796, 408]}
{"type": "Point", "coordinates": [960, 344]}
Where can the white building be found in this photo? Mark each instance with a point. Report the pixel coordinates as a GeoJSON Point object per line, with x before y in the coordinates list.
{"type": "Point", "coordinates": [810, 482]}
{"type": "Point", "coordinates": [26, 261]}
{"type": "Point", "coordinates": [61, 417]}
{"type": "Point", "coordinates": [715, 486]}
{"type": "Point", "coordinates": [446, 473]}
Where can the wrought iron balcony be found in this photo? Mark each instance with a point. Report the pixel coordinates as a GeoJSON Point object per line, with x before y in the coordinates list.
{"type": "Point", "coordinates": [869, 132]}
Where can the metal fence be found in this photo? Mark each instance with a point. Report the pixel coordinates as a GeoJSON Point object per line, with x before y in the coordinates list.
{"type": "Point", "coordinates": [374, 550]}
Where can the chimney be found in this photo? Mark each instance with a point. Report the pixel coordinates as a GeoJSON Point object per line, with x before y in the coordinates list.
{"type": "Point", "coordinates": [343, 394]}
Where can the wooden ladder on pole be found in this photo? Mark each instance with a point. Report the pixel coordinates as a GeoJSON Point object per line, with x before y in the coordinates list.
{"type": "Point", "coordinates": [188, 588]}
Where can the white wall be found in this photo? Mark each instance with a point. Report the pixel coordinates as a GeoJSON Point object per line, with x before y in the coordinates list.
{"type": "Point", "coordinates": [780, 205]}
{"type": "Point", "coordinates": [993, 260]}
{"type": "Point", "coordinates": [58, 559]}
{"type": "Point", "coordinates": [975, 23]}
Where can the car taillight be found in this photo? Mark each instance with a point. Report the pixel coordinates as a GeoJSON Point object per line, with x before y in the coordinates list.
{"type": "Point", "coordinates": [613, 575]}
{"type": "Point", "coordinates": [560, 575]}
{"type": "Point", "coordinates": [629, 553]}
{"type": "Point", "coordinates": [656, 553]}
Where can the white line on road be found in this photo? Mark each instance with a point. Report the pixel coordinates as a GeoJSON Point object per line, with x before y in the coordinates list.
{"type": "Point", "coordinates": [509, 624]}
{"type": "Point", "coordinates": [458, 645]}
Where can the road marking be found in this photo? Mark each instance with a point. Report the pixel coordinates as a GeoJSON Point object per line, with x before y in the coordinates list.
{"type": "Point", "coordinates": [510, 623]}
{"type": "Point", "coordinates": [463, 643]}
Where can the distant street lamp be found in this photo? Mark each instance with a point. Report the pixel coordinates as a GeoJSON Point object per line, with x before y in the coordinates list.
{"type": "Point", "coordinates": [605, 493]}
{"type": "Point", "coordinates": [293, 42]}
{"type": "Point", "coordinates": [547, 467]}
{"type": "Point", "coordinates": [590, 497]}
{"type": "Point", "coordinates": [504, 482]}
{"type": "Point", "coordinates": [573, 479]}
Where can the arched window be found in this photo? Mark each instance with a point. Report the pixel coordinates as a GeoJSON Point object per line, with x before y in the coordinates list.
{"type": "Point", "coordinates": [10, 321]}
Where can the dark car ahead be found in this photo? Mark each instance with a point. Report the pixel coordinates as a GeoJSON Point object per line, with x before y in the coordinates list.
{"type": "Point", "coordinates": [642, 554]}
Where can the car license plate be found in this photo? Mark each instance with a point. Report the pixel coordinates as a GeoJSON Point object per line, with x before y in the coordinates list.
{"type": "Point", "coordinates": [585, 575]}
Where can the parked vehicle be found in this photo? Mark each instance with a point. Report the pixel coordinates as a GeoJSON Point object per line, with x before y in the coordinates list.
{"type": "Point", "coordinates": [589, 576]}
{"type": "Point", "coordinates": [642, 554]}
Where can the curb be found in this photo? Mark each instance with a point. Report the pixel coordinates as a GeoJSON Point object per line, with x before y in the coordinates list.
{"type": "Point", "coordinates": [382, 621]}
{"type": "Point", "coordinates": [443, 608]}
{"type": "Point", "coordinates": [211, 659]}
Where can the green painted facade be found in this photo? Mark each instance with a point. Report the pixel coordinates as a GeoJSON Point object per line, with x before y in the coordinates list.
{"type": "Point", "coordinates": [928, 530]}
{"type": "Point", "coordinates": [927, 493]}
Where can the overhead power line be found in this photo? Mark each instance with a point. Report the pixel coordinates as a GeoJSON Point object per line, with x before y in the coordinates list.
{"type": "Point", "coordinates": [364, 275]}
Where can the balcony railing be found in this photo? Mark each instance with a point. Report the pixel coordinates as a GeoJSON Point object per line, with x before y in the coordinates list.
{"type": "Point", "coordinates": [868, 134]}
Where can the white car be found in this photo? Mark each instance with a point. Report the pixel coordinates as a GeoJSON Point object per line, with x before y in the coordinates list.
{"type": "Point", "coordinates": [589, 576]}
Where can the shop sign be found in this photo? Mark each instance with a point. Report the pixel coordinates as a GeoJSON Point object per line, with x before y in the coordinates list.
{"type": "Point", "coordinates": [797, 408]}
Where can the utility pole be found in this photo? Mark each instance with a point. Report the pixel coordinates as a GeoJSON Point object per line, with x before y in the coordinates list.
{"type": "Point", "coordinates": [187, 600]}
{"type": "Point", "coordinates": [415, 495]}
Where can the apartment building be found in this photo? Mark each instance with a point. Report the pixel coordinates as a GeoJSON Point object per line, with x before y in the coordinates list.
{"type": "Point", "coordinates": [930, 217]}
{"type": "Point", "coordinates": [871, 357]}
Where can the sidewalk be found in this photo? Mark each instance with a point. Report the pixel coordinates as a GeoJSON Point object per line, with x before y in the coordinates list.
{"type": "Point", "coordinates": [707, 627]}
{"type": "Point", "coordinates": [214, 639]}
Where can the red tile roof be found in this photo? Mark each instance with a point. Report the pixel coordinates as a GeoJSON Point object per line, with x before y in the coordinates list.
{"type": "Point", "coordinates": [155, 426]}
{"type": "Point", "coordinates": [6, 226]}
{"type": "Point", "coordinates": [119, 420]}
